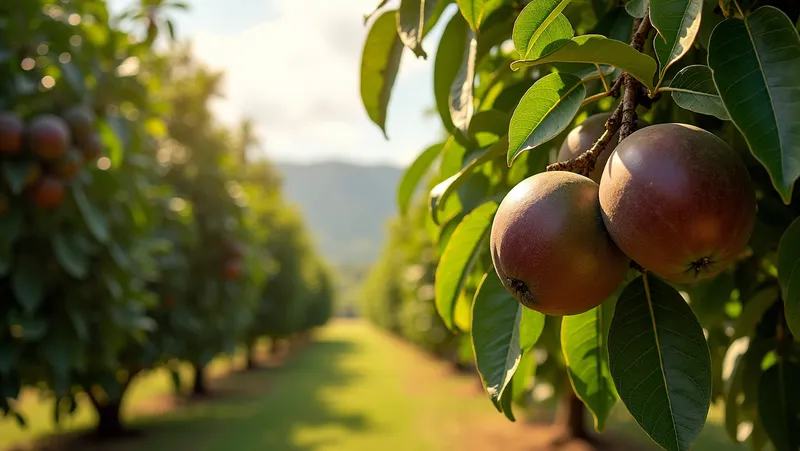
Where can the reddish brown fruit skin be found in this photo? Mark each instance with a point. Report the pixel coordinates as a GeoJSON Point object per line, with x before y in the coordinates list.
{"type": "Point", "coordinates": [49, 136]}
{"type": "Point", "coordinates": [49, 193]}
{"type": "Point", "coordinates": [11, 128]}
{"type": "Point", "coordinates": [81, 123]}
{"type": "Point", "coordinates": [92, 148]}
{"type": "Point", "coordinates": [583, 137]}
{"type": "Point", "coordinates": [70, 165]}
{"type": "Point", "coordinates": [550, 248]}
{"type": "Point", "coordinates": [233, 270]}
{"type": "Point", "coordinates": [678, 201]}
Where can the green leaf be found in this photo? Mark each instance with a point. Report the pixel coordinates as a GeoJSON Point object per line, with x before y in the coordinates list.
{"type": "Point", "coordinates": [95, 220]}
{"type": "Point", "coordinates": [677, 23]}
{"type": "Point", "coordinates": [414, 19]}
{"type": "Point", "coordinates": [69, 256]}
{"type": "Point", "coordinates": [752, 62]}
{"type": "Point", "coordinates": [779, 404]}
{"type": "Point", "coordinates": [522, 377]}
{"type": "Point", "coordinates": [532, 29]}
{"type": "Point", "coordinates": [450, 56]}
{"type": "Point", "coordinates": [594, 48]}
{"type": "Point", "coordinates": [502, 330]}
{"type": "Point", "coordinates": [16, 172]}
{"type": "Point", "coordinates": [584, 340]}
{"type": "Point", "coordinates": [465, 245]}
{"type": "Point", "coordinates": [791, 303]}
{"type": "Point", "coordinates": [441, 192]}
{"type": "Point", "coordinates": [788, 254]}
{"type": "Point", "coordinates": [493, 123]}
{"type": "Point", "coordinates": [506, 403]}
{"type": "Point", "coordinates": [474, 11]}
{"type": "Point", "coordinates": [660, 363]}
{"type": "Point", "coordinates": [28, 284]}
{"type": "Point", "coordinates": [636, 8]}
{"type": "Point", "coordinates": [544, 111]}
{"type": "Point", "coordinates": [693, 89]}
{"type": "Point", "coordinates": [586, 72]}
{"type": "Point", "coordinates": [10, 226]}
{"type": "Point", "coordinates": [462, 91]}
{"type": "Point", "coordinates": [377, 8]}
{"type": "Point", "coordinates": [753, 310]}
{"type": "Point", "coordinates": [415, 173]}
{"type": "Point", "coordinates": [380, 62]}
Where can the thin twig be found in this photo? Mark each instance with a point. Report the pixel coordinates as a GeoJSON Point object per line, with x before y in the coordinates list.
{"type": "Point", "coordinates": [602, 77]}
{"type": "Point", "coordinates": [595, 97]}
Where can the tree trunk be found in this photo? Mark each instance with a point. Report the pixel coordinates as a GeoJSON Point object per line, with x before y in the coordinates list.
{"type": "Point", "coordinates": [251, 357]}
{"type": "Point", "coordinates": [571, 417]}
{"type": "Point", "coordinates": [109, 424]}
{"type": "Point", "coordinates": [199, 387]}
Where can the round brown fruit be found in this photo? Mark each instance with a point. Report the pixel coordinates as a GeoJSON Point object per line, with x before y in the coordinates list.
{"type": "Point", "coordinates": [49, 136]}
{"type": "Point", "coordinates": [49, 193]}
{"type": "Point", "coordinates": [11, 128]}
{"type": "Point", "coordinates": [233, 270]}
{"type": "Point", "coordinates": [92, 148]}
{"type": "Point", "coordinates": [69, 165]}
{"type": "Point", "coordinates": [81, 123]}
{"type": "Point", "coordinates": [582, 138]}
{"type": "Point", "coordinates": [550, 247]}
{"type": "Point", "coordinates": [678, 201]}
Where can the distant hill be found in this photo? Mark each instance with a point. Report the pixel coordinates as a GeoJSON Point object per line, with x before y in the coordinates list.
{"type": "Point", "coordinates": [345, 206]}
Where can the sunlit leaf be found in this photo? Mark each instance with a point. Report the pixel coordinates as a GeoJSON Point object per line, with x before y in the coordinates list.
{"type": "Point", "coordinates": [415, 173]}
{"type": "Point", "coordinates": [414, 19]}
{"type": "Point", "coordinates": [534, 29]}
{"type": "Point", "coordinates": [677, 23]}
{"type": "Point", "coordinates": [380, 62]}
{"type": "Point", "coordinates": [693, 89]}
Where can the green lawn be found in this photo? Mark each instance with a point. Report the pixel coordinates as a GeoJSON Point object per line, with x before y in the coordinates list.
{"type": "Point", "coordinates": [354, 389]}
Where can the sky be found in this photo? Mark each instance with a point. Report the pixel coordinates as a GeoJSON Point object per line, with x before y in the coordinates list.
{"type": "Point", "coordinates": [293, 67]}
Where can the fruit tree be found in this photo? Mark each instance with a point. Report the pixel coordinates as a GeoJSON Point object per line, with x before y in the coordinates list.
{"type": "Point", "coordinates": [619, 176]}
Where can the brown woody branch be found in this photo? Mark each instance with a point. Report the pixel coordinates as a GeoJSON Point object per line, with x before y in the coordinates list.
{"type": "Point", "coordinates": [623, 119]}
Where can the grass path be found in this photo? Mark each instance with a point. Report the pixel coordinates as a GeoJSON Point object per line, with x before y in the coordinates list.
{"type": "Point", "coordinates": [354, 389]}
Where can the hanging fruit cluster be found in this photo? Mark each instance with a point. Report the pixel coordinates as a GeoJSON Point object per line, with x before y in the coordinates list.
{"type": "Point", "coordinates": [45, 153]}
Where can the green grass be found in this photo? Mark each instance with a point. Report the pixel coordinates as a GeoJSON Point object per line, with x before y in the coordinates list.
{"type": "Point", "coordinates": [354, 389]}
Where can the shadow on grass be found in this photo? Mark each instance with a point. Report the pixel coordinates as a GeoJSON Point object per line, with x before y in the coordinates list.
{"type": "Point", "coordinates": [264, 409]}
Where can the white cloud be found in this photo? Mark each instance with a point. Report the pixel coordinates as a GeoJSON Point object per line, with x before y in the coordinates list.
{"type": "Point", "coordinates": [297, 75]}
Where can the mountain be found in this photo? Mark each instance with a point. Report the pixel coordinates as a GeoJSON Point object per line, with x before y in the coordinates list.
{"type": "Point", "coordinates": [346, 207]}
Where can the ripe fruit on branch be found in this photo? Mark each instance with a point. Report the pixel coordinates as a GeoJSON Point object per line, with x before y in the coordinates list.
{"type": "Point", "coordinates": [232, 270]}
{"type": "Point", "coordinates": [69, 165]}
{"type": "Point", "coordinates": [49, 136]}
{"type": "Point", "coordinates": [81, 123]}
{"type": "Point", "coordinates": [550, 247]}
{"type": "Point", "coordinates": [582, 138]}
{"type": "Point", "coordinates": [678, 201]}
{"type": "Point", "coordinates": [11, 128]}
{"type": "Point", "coordinates": [49, 193]}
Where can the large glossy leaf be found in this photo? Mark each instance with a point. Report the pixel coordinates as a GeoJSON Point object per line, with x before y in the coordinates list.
{"type": "Point", "coordinates": [544, 111]}
{"type": "Point", "coordinates": [532, 28]}
{"type": "Point", "coordinates": [70, 256]}
{"type": "Point", "coordinates": [593, 48]}
{"type": "Point", "coordinates": [788, 253]}
{"type": "Point", "coordinates": [475, 11]}
{"type": "Point", "coordinates": [414, 19]}
{"type": "Point", "coordinates": [677, 23]}
{"type": "Point", "coordinates": [450, 56]}
{"type": "Point", "coordinates": [693, 89]}
{"type": "Point", "coordinates": [584, 340]}
{"type": "Point", "coordinates": [461, 100]}
{"type": "Point", "coordinates": [502, 330]}
{"type": "Point", "coordinates": [380, 62]}
{"type": "Point", "coordinates": [465, 245]}
{"type": "Point", "coordinates": [660, 363]}
{"type": "Point", "coordinates": [754, 63]}
{"type": "Point", "coordinates": [779, 404]}
{"type": "Point", "coordinates": [28, 284]}
{"type": "Point", "coordinates": [95, 220]}
{"type": "Point", "coordinates": [441, 192]}
{"type": "Point", "coordinates": [415, 173]}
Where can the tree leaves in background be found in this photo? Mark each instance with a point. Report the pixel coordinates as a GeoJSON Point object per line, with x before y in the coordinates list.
{"type": "Point", "coordinates": [450, 56]}
{"type": "Point", "coordinates": [660, 363]}
{"type": "Point", "coordinates": [755, 63]}
{"type": "Point", "coordinates": [413, 175]}
{"type": "Point", "coordinates": [677, 23]}
{"type": "Point", "coordinates": [636, 8]}
{"type": "Point", "coordinates": [462, 91]}
{"type": "Point", "coordinates": [502, 330]}
{"type": "Point", "coordinates": [540, 24]}
{"type": "Point", "coordinates": [28, 284]}
{"type": "Point", "coordinates": [789, 275]}
{"type": "Point", "coordinates": [414, 19]}
{"type": "Point", "coordinates": [70, 256]}
{"type": "Point", "coordinates": [544, 111]}
{"type": "Point", "coordinates": [465, 245]}
{"type": "Point", "coordinates": [693, 89]}
{"type": "Point", "coordinates": [95, 220]}
{"type": "Point", "coordinates": [380, 62]}
{"type": "Point", "coordinates": [584, 340]}
{"type": "Point", "coordinates": [17, 173]}
{"type": "Point", "coordinates": [779, 404]}
{"type": "Point", "coordinates": [598, 49]}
